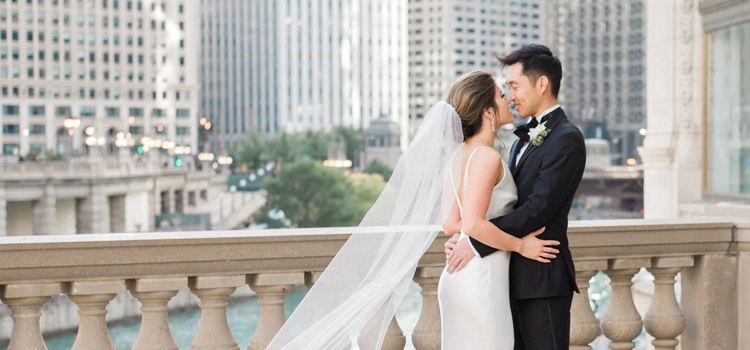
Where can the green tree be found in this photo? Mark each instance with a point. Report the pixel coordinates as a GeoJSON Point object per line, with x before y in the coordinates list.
{"type": "Point", "coordinates": [312, 195]}
{"type": "Point", "coordinates": [257, 148]}
{"type": "Point", "coordinates": [250, 152]}
{"type": "Point", "coordinates": [376, 167]}
{"type": "Point", "coordinates": [367, 189]}
{"type": "Point", "coordinates": [354, 143]}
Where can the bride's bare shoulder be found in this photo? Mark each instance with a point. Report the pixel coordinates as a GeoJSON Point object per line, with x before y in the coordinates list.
{"type": "Point", "coordinates": [486, 160]}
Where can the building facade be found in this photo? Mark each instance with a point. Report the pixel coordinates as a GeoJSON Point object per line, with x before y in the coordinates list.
{"type": "Point", "coordinates": [449, 38]}
{"type": "Point", "coordinates": [696, 153]}
{"type": "Point", "coordinates": [117, 69]}
{"type": "Point", "coordinates": [291, 66]}
{"type": "Point", "coordinates": [602, 46]}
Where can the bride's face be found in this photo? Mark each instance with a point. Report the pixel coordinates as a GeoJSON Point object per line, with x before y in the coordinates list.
{"type": "Point", "coordinates": [503, 108]}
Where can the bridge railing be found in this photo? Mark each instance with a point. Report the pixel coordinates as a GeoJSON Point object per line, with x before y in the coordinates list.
{"type": "Point", "coordinates": [712, 256]}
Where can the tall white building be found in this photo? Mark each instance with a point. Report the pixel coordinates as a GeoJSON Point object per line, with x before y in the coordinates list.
{"type": "Point", "coordinates": [292, 65]}
{"type": "Point", "coordinates": [602, 46]}
{"type": "Point", "coordinates": [122, 69]}
{"type": "Point", "coordinates": [448, 38]}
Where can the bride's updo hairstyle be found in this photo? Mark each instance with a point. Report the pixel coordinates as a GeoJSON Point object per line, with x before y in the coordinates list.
{"type": "Point", "coordinates": [471, 95]}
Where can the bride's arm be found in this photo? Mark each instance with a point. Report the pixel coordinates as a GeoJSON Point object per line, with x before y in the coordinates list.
{"type": "Point", "coordinates": [452, 224]}
{"type": "Point", "coordinates": [484, 170]}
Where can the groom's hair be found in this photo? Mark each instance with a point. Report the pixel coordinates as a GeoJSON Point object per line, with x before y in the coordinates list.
{"type": "Point", "coordinates": [537, 60]}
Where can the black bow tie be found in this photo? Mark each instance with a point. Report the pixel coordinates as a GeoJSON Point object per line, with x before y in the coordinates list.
{"type": "Point", "coordinates": [523, 131]}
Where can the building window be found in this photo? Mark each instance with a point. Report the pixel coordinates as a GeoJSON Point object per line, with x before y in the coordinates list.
{"type": "Point", "coordinates": [728, 163]}
{"type": "Point", "coordinates": [37, 129]}
{"type": "Point", "coordinates": [136, 112]}
{"type": "Point", "coordinates": [136, 130]}
{"type": "Point", "coordinates": [182, 113]}
{"type": "Point", "coordinates": [10, 129]}
{"type": "Point", "coordinates": [10, 110]}
{"type": "Point", "coordinates": [112, 112]}
{"type": "Point", "coordinates": [63, 111]}
{"type": "Point", "coordinates": [88, 111]}
{"type": "Point", "coordinates": [10, 148]}
{"type": "Point", "coordinates": [36, 110]}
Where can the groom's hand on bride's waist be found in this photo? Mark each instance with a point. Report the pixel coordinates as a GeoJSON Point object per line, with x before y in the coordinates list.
{"type": "Point", "coordinates": [458, 253]}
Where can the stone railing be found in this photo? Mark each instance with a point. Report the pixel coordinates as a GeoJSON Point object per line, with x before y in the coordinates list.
{"type": "Point", "coordinates": [91, 269]}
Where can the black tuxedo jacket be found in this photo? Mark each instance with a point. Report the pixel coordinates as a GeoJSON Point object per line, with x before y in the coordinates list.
{"type": "Point", "coordinates": [547, 178]}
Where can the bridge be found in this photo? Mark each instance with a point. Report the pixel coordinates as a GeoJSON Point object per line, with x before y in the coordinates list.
{"type": "Point", "coordinates": [618, 182]}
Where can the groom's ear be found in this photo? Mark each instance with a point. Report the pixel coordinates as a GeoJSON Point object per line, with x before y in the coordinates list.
{"type": "Point", "coordinates": [542, 84]}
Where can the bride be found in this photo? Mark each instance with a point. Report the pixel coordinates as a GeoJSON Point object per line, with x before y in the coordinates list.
{"type": "Point", "coordinates": [474, 302]}
{"type": "Point", "coordinates": [354, 300]}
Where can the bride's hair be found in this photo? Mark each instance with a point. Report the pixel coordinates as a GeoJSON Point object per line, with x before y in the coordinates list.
{"type": "Point", "coordinates": [471, 95]}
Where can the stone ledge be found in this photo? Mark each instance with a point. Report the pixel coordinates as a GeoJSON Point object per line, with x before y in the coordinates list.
{"type": "Point", "coordinates": [297, 251]}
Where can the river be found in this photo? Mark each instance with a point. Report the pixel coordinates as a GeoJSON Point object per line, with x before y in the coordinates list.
{"type": "Point", "coordinates": [242, 315]}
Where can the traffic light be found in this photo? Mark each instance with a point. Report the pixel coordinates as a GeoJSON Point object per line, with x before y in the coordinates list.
{"type": "Point", "coordinates": [177, 162]}
{"type": "Point", "coordinates": [140, 149]}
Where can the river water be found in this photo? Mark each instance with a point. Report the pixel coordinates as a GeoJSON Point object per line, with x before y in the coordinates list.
{"type": "Point", "coordinates": [243, 317]}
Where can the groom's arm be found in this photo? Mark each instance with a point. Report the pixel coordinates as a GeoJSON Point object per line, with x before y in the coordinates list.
{"type": "Point", "coordinates": [559, 177]}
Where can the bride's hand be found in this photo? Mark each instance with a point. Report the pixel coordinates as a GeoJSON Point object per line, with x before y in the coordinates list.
{"type": "Point", "coordinates": [536, 249]}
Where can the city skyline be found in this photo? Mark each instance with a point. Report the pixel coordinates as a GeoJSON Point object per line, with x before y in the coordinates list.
{"type": "Point", "coordinates": [126, 70]}
{"type": "Point", "coordinates": [449, 38]}
{"type": "Point", "coordinates": [289, 66]}
{"type": "Point", "coordinates": [603, 52]}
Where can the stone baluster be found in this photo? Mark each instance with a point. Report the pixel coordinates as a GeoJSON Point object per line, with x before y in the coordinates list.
{"type": "Point", "coordinates": [394, 337]}
{"type": "Point", "coordinates": [427, 334]}
{"type": "Point", "coordinates": [26, 301]}
{"type": "Point", "coordinates": [584, 327]}
{"type": "Point", "coordinates": [311, 277]}
{"type": "Point", "coordinates": [154, 295]}
{"type": "Point", "coordinates": [271, 289]}
{"type": "Point", "coordinates": [621, 322]}
{"type": "Point", "coordinates": [664, 319]}
{"type": "Point", "coordinates": [213, 330]}
{"type": "Point", "coordinates": [92, 298]}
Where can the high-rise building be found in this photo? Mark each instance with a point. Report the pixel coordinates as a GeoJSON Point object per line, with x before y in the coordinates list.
{"type": "Point", "coordinates": [602, 47]}
{"type": "Point", "coordinates": [291, 66]}
{"type": "Point", "coordinates": [114, 69]}
{"type": "Point", "coordinates": [448, 38]}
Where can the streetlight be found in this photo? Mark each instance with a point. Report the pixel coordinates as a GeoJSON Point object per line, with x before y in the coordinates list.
{"type": "Point", "coordinates": [71, 124]}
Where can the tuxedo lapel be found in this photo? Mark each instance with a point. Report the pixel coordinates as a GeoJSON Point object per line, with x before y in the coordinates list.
{"type": "Point", "coordinates": [554, 118]}
{"type": "Point", "coordinates": [513, 155]}
{"type": "Point", "coordinates": [531, 148]}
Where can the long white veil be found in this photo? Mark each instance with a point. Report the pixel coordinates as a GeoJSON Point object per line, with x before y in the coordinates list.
{"type": "Point", "coordinates": [358, 294]}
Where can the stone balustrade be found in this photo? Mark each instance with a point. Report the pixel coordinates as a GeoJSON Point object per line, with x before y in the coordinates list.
{"type": "Point", "coordinates": [713, 258]}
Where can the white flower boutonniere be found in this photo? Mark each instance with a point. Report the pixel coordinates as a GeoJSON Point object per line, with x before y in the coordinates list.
{"type": "Point", "coordinates": [538, 134]}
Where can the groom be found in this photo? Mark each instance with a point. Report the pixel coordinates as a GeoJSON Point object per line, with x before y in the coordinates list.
{"type": "Point", "coordinates": [547, 164]}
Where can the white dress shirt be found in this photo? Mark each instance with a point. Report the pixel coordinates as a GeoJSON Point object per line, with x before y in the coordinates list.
{"type": "Point", "coordinates": [526, 144]}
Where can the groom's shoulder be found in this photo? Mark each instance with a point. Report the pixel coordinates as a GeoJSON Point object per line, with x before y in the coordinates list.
{"type": "Point", "coordinates": [568, 134]}
{"type": "Point", "coordinates": [571, 127]}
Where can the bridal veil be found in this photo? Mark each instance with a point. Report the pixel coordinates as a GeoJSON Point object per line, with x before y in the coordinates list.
{"type": "Point", "coordinates": [355, 298]}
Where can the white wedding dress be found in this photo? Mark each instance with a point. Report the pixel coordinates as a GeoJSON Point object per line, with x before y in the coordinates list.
{"type": "Point", "coordinates": [475, 301]}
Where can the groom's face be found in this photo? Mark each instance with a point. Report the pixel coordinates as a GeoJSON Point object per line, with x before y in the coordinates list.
{"type": "Point", "coordinates": [523, 94]}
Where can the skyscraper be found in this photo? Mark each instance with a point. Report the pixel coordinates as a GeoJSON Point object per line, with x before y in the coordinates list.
{"type": "Point", "coordinates": [115, 70]}
{"type": "Point", "coordinates": [290, 66]}
{"type": "Point", "coordinates": [602, 48]}
{"type": "Point", "coordinates": [448, 38]}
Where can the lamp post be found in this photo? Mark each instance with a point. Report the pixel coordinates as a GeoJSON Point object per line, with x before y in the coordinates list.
{"type": "Point", "coordinates": [71, 124]}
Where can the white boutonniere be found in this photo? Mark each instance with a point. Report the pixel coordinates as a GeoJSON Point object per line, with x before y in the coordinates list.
{"type": "Point", "coordinates": [538, 134]}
